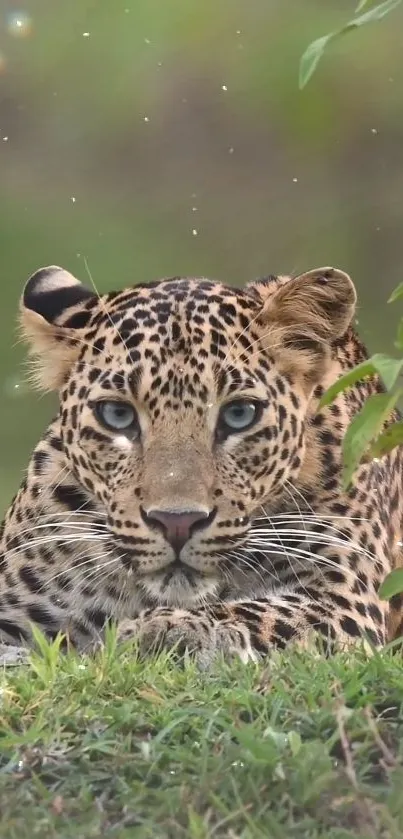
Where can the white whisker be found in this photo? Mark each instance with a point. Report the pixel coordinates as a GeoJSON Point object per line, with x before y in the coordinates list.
{"type": "Point", "coordinates": [325, 517]}
{"type": "Point", "coordinates": [241, 559]}
{"type": "Point", "coordinates": [301, 553]}
{"type": "Point", "coordinates": [83, 526]}
{"type": "Point", "coordinates": [104, 307]}
{"type": "Point", "coordinates": [319, 537]}
{"type": "Point", "coordinates": [74, 537]}
{"type": "Point", "coordinates": [87, 561]}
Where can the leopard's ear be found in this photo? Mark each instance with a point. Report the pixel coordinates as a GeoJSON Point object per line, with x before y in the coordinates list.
{"type": "Point", "coordinates": [54, 310]}
{"type": "Point", "coordinates": [303, 316]}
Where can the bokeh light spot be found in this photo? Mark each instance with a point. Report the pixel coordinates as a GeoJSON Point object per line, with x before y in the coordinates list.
{"type": "Point", "coordinates": [19, 24]}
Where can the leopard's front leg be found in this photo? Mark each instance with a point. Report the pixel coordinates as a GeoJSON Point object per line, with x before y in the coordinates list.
{"type": "Point", "coordinates": [203, 634]}
{"type": "Point", "coordinates": [249, 628]}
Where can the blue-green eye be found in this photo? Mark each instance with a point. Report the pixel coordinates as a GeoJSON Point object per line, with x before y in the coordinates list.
{"type": "Point", "coordinates": [117, 416]}
{"type": "Point", "coordinates": [239, 415]}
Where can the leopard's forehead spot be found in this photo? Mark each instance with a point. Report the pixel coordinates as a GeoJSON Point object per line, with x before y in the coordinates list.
{"type": "Point", "coordinates": [153, 306]}
{"type": "Point", "coordinates": [179, 337]}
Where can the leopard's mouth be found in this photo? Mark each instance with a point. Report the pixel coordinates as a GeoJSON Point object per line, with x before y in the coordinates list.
{"type": "Point", "coordinates": [157, 561]}
{"type": "Point", "coordinates": [148, 557]}
{"type": "Point", "coordinates": [180, 585]}
{"type": "Point", "coordinates": [178, 571]}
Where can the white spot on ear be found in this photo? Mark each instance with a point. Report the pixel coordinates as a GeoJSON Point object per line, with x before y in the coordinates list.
{"type": "Point", "coordinates": [122, 442]}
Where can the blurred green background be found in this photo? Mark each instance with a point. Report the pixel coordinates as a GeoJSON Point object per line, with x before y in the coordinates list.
{"type": "Point", "coordinates": [158, 137]}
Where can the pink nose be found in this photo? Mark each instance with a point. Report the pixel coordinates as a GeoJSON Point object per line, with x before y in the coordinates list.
{"type": "Point", "coordinates": [178, 526]}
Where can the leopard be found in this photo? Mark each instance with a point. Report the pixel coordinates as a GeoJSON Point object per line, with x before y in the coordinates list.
{"type": "Point", "coordinates": [189, 490]}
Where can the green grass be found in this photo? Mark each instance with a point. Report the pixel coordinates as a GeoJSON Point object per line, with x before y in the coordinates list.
{"type": "Point", "coordinates": [116, 747]}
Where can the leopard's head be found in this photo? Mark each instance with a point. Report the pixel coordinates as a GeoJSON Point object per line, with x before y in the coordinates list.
{"type": "Point", "coordinates": [183, 408]}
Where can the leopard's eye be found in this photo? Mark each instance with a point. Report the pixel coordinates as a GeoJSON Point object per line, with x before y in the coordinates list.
{"type": "Point", "coordinates": [239, 415]}
{"type": "Point", "coordinates": [117, 416]}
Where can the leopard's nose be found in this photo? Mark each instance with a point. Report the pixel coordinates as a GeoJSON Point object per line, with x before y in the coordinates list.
{"type": "Point", "coordinates": [178, 525]}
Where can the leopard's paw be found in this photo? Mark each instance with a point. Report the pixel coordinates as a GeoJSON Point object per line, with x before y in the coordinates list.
{"type": "Point", "coordinates": [185, 633]}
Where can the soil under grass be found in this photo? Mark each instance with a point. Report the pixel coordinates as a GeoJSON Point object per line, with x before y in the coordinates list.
{"type": "Point", "coordinates": [115, 747]}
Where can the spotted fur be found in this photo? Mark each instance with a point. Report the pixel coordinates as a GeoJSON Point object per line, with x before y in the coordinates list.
{"type": "Point", "coordinates": [276, 550]}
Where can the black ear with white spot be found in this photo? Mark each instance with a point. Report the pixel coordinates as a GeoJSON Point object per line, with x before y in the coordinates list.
{"type": "Point", "coordinates": [55, 308]}
{"type": "Point", "coordinates": [51, 291]}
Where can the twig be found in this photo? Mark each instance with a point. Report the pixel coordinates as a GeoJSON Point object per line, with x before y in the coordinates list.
{"type": "Point", "coordinates": [386, 752]}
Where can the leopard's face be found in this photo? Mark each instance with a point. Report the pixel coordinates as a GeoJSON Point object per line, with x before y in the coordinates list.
{"type": "Point", "coordinates": [183, 421]}
{"type": "Point", "coordinates": [184, 414]}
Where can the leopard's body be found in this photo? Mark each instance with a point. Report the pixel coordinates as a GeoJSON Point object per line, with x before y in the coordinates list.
{"type": "Point", "coordinates": [182, 528]}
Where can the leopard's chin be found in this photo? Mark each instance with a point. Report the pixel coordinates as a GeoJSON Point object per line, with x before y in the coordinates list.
{"type": "Point", "coordinates": [180, 586]}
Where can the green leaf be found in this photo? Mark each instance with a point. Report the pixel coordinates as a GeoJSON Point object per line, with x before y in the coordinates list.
{"type": "Point", "coordinates": [366, 368]}
{"type": "Point", "coordinates": [392, 584]}
{"type": "Point", "coordinates": [387, 368]}
{"type": "Point", "coordinates": [315, 50]}
{"type": "Point", "coordinates": [397, 293]}
{"type": "Point", "coordinates": [399, 336]}
{"type": "Point", "coordinates": [373, 15]}
{"type": "Point", "coordinates": [295, 742]}
{"type": "Point", "coordinates": [311, 58]}
{"type": "Point", "coordinates": [383, 365]}
{"type": "Point", "coordinates": [388, 440]}
{"type": "Point", "coordinates": [364, 428]}
{"type": "Point", "coordinates": [362, 5]}
{"type": "Point", "coordinates": [280, 738]}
